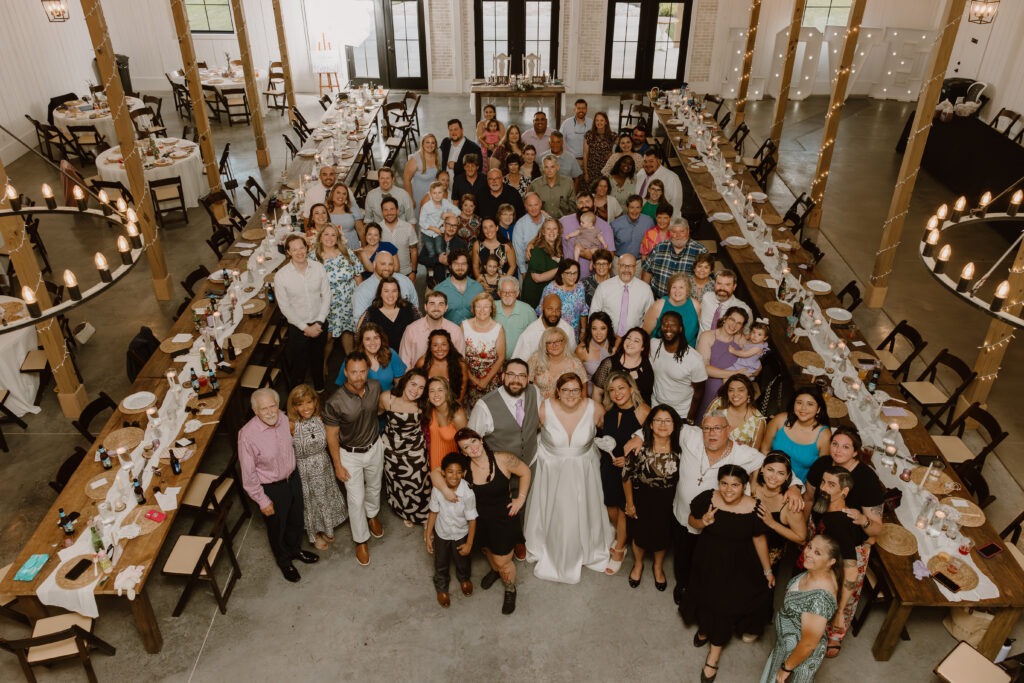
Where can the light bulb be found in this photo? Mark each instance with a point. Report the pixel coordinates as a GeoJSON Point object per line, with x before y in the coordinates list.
{"type": "Point", "coordinates": [77, 192]}
{"type": "Point", "coordinates": [101, 261]}
{"type": "Point", "coordinates": [47, 192]}
{"type": "Point", "coordinates": [942, 213]}
{"type": "Point", "coordinates": [69, 279]}
{"type": "Point", "coordinates": [28, 294]}
{"type": "Point", "coordinates": [102, 196]}
{"type": "Point", "coordinates": [945, 252]}
{"type": "Point", "coordinates": [968, 272]}
{"type": "Point", "coordinates": [986, 199]}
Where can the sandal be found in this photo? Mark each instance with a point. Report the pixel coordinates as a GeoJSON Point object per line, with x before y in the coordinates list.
{"type": "Point", "coordinates": [614, 564]}
{"type": "Point", "coordinates": [320, 543]}
{"type": "Point", "coordinates": [832, 650]}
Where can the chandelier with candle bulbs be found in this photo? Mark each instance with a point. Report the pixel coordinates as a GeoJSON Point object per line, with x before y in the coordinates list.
{"type": "Point", "coordinates": [129, 247]}
{"type": "Point", "coordinates": [936, 255]}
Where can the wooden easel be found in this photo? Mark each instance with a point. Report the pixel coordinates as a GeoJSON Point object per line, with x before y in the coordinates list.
{"type": "Point", "coordinates": [328, 79]}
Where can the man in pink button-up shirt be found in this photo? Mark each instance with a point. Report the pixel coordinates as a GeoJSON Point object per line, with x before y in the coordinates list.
{"type": "Point", "coordinates": [269, 477]}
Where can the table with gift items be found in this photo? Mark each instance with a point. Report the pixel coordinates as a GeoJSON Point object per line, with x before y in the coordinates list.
{"type": "Point", "coordinates": [940, 527]}
{"type": "Point", "coordinates": [117, 509]}
{"type": "Point", "coordinates": [89, 113]}
{"type": "Point", "coordinates": [162, 158]}
{"type": "Point", "coordinates": [21, 387]}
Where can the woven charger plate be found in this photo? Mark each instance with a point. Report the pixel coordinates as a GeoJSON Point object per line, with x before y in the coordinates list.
{"type": "Point", "coordinates": [253, 234]}
{"type": "Point", "coordinates": [857, 356]}
{"type": "Point", "coordinates": [808, 358]}
{"type": "Point", "coordinates": [772, 220]}
{"type": "Point", "coordinates": [253, 307]}
{"type": "Point", "coordinates": [100, 492]}
{"type": "Point", "coordinates": [211, 402]}
{"type": "Point", "coordinates": [126, 437]}
{"type": "Point", "coordinates": [170, 346]}
{"type": "Point", "coordinates": [13, 310]}
{"type": "Point", "coordinates": [897, 540]}
{"type": "Point", "coordinates": [778, 309]}
{"type": "Point", "coordinates": [82, 581]}
{"type": "Point", "coordinates": [710, 195]}
{"type": "Point", "coordinates": [835, 407]}
{"type": "Point", "coordinates": [241, 341]}
{"type": "Point", "coordinates": [138, 516]}
{"type": "Point", "coordinates": [970, 514]}
{"type": "Point", "coordinates": [135, 411]}
{"type": "Point", "coordinates": [908, 421]}
{"type": "Point", "coordinates": [696, 169]}
{"type": "Point", "coordinates": [936, 486]}
{"type": "Point", "coordinates": [761, 280]}
{"type": "Point", "coordinates": [688, 152]}
{"type": "Point", "coordinates": [961, 573]}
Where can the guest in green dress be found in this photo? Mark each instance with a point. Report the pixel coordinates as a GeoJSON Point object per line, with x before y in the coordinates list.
{"type": "Point", "coordinates": [545, 251]}
{"type": "Point", "coordinates": [809, 605]}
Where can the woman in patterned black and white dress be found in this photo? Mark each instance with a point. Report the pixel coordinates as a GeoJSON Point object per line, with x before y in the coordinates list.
{"type": "Point", "coordinates": [324, 506]}
{"type": "Point", "coordinates": [406, 466]}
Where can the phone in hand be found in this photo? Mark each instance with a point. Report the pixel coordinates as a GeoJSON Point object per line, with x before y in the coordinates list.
{"type": "Point", "coordinates": [946, 582]}
{"type": "Point", "coordinates": [990, 550]}
{"type": "Point", "coordinates": [78, 569]}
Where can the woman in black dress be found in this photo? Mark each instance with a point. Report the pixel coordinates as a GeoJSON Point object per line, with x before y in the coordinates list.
{"type": "Point", "coordinates": [625, 412]}
{"type": "Point", "coordinates": [498, 527]}
{"type": "Point", "coordinates": [731, 572]}
{"type": "Point", "coordinates": [633, 358]}
{"type": "Point", "coordinates": [391, 311]}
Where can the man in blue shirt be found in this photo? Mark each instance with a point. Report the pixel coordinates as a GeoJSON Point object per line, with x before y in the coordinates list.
{"type": "Point", "coordinates": [527, 227]}
{"type": "Point", "coordinates": [459, 288]}
{"type": "Point", "coordinates": [383, 266]}
{"type": "Point", "coordinates": [629, 228]}
{"type": "Point", "coordinates": [575, 127]}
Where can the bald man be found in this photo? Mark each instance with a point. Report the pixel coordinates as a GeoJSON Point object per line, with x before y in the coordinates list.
{"type": "Point", "coordinates": [550, 316]}
{"type": "Point", "coordinates": [625, 297]}
{"type": "Point", "coordinates": [498, 192]}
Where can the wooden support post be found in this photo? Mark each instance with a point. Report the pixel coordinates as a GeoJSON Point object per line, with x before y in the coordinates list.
{"type": "Point", "coordinates": [71, 393]}
{"type": "Point", "coordinates": [892, 229]}
{"type": "Point", "coordinates": [195, 90]}
{"type": "Point", "coordinates": [787, 70]}
{"type": "Point", "coordinates": [835, 112]}
{"type": "Point", "coordinates": [282, 42]}
{"type": "Point", "coordinates": [94, 19]}
{"type": "Point", "coordinates": [748, 60]}
{"type": "Point", "coordinates": [252, 92]}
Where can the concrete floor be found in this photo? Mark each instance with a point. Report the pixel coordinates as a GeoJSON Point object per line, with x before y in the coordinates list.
{"type": "Point", "coordinates": [381, 622]}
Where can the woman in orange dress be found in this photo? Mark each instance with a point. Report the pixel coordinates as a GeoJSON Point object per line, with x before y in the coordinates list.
{"type": "Point", "coordinates": [442, 418]}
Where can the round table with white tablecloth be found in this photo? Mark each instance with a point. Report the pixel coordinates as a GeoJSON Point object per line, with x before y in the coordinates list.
{"type": "Point", "coordinates": [217, 79]}
{"type": "Point", "coordinates": [70, 114]}
{"type": "Point", "coordinates": [179, 158]}
{"type": "Point", "coordinates": [14, 346]}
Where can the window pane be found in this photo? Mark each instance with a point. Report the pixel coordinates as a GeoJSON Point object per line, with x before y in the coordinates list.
{"type": "Point", "coordinates": [666, 40]}
{"type": "Point", "coordinates": [625, 34]}
{"type": "Point", "coordinates": [209, 15]}
{"type": "Point", "coordinates": [197, 18]}
{"type": "Point", "coordinates": [364, 55]}
{"type": "Point", "coordinates": [220, 17]}
{"type": "Point", "coordinates": [406, 31]}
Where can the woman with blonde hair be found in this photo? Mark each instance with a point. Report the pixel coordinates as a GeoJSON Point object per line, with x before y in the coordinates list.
{"type": "Point", "coordinates": [421, 169]}
{"type": "Point", "coordinates": [485, 348]}
{"type": "Point", "coordinates": [679, 300]}
{"type": "Point", "coordinates": [552, 360]}
{"type": "Point", "coordinates": [324, 507]}
{"type": "Point", "coordinates": [543, 254]}
{"type": "Point", "coordinates": [346, 214]}
{"type": "Point", "coordinates": [344, 272]}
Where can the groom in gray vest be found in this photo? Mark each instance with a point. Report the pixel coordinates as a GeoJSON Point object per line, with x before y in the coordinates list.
{"type": "Point", "coordinates": [508, 418]}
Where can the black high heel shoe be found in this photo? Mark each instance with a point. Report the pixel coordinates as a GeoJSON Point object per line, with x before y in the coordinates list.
{"type": "Point", "coordinates": [633, 583]}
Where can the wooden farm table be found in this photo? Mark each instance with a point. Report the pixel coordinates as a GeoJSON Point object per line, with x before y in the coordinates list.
{"type": "Point", "coordinates": [907, 591]}
{"type": "Point", "coordinates": [493, 91]}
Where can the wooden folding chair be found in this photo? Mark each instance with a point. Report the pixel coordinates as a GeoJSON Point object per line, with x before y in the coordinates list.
{"type": "Point", "coordinates": [904, 335]}
{"type": "Point", "coordinates": [236, 105]}
{"type": "Point", "coordinates": [194, 557]}
{"type": "Point", "coordinates": [168, 197]}
{"type": "Point", "coordinates": [933, 399]}
{"type": "Point", "coordinates": [950, 443]}
{"type": "Point", "coordinates": [964, 664]}
{"type": "Point", "coordinates": [96, 406]}
{"type": "Point", "coordinates": [56, 639]}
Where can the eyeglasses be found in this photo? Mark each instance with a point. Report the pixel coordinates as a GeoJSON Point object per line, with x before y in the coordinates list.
{"type": "Point", "coordinates": [714, 430]}
{"type": "Point", "coordinates": [554, 342]}
{"type": "Point", "coordinates": [517, 375]}
{"type": "Point", "coordinates": [662, 420]}
{"type": "Point", "coordinates": [508, 292]}
{"type": "Point", "coordinates": [571, 392]}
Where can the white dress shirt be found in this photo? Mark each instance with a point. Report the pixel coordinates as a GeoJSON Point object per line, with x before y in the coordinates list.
{"type": "Point", "coordinates": [709, 304]}
{"type": "Point", "coordinates": [303, 298]}
{"type": "Point", "coordinates": [674, 379]}
{"type": "Point", "coordinates": [480, 419]}
{"type": "Point", "coordinates": [316, 193]}
{"type": "Point", "coordinates": [608, 298]}
{"type": "Point", "coordinates": [453, 519]}
{"type": "Point", "coordinates": [529, 340]}
{"type": "Point", "coordinates": [673, 187]}
{"type": "Point", "coordinates": [697, 475]}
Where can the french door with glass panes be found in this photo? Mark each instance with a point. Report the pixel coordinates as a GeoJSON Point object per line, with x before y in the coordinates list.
{"type": "Point", "coordinates": [646, 44]}
{"type": "Point", "coordinates": [516, 28]}
{"type": "Point", "coordinates": [395, 52]}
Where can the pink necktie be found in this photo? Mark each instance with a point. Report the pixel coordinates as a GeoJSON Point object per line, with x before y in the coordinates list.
{"type": "Point", "coordinates": [643, 187]}
{"type": "Point", "coordinates": [714, 320]}
{"type": "Point", "coordinates": [624, 311]}
{"type": "Point", "coordinates": [520, 413]}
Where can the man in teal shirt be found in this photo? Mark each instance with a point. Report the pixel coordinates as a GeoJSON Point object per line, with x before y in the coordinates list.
{"type": "Point", "coordinates": [513, 315]}
{"type": "Point", "coordinates": [459, 288]}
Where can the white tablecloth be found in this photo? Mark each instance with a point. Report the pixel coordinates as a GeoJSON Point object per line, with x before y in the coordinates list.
{"type": "Point", "coordinates": [216, 78]}
{"type": "Point", "coordinates": [13, 348]}
{"type": "Point", "coordinates": [189, 168]}
{"type": "Point", "coordinates": [104, 122]}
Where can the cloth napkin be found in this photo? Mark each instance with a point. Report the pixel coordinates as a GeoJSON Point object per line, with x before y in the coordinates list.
{"type": "Point", "coordinates": [168, 500]}
{"type": "Point", "coordinates": [31, 568]}
{"type": "Point", "coordinates": [128, 579]}
{"type": "Point", "coordinates": [81, 600]}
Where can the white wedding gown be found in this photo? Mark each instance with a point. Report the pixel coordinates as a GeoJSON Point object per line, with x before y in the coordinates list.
{"type": "Point", "coordinates": [566, 522]}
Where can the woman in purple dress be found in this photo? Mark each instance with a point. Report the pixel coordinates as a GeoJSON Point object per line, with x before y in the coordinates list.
{"type": "Point", "coordinates": [713, 345]}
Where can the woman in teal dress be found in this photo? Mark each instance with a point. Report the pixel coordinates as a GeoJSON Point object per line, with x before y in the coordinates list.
{"type": "Point", "coordinates": [802, 432]}
{"type": "Point", "coordinates": [678, 300]}
{"type": "Point", "coordinates": [543, 254]}
{"type": "Point", "coordinates": [809, 605]}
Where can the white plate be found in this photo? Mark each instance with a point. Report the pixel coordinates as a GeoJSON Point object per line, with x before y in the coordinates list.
{"type": "Point", "coordinates": [675, 122]}
{"type": "Point", "coordinates": [839, 315]}
{"type": "Point", "coordinates": [735, 241]}
{"type": "Point", "coordinates": [216, 276]}
{"type": "Point", "coordinates": [139, 400]}
{"type": "Point", "coordinates": [758, 196]}
{"type": "Point", "coordinates": [819, 286]}
{"type": "Point", "coordinates": [784, 246]}
{"type": "Point", "coordinates": [245, 252]}
{"type": "Point", "coordinates": [307, 153]}
{"type": "Point", "coordinates": [722, 216]}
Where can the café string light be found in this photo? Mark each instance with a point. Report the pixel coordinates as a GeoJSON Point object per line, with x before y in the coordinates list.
{"type": "Point", "coordinates": [129, 246]}
{"type": "Point", "coordinates": [937, 256]}
{"type": "Point", "coordinates": [983, 11]}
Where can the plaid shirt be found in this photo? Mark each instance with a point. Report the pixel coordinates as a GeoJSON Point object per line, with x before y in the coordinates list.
{"type": "Point", "coordinates": [663, 262]}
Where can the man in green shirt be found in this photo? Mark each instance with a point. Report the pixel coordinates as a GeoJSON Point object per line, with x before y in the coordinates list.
{"type": "Point", "coordinates": [513, 315]}
{"type": "Point", "coordinates": [556, 192]}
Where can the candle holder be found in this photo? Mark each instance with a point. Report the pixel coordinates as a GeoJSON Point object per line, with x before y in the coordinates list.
{"type": "Point", "coordinates": [29, 295]}
{"type": "Point", "coordinates": [124, 249]}
{"type": "Point", "coordinates": [103, 267]}
{"type": "Point", "coordinates": [71, 286]}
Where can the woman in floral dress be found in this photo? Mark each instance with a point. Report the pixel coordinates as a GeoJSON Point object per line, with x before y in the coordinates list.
{"type": "Point", "coordinates": [406, 477]}
{"type": "Point", "coordinates": [598, 143]}
{"type": "Point", "coordinates": [344, 272]}
{"type": "Point", "coordinates": [485, 348]}
{"type": "Point", "coordinates": [566, 284]}
{"type": "Point", "coordinates": [324, 507]}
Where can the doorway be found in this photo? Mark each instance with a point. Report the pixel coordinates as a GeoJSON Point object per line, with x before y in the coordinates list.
{"type": "Point", "coordinates": [516, 28]}
{"type": "Point", "coordinates": [632, 63]}
{"type": "Point", "coordinates": [395, 53]}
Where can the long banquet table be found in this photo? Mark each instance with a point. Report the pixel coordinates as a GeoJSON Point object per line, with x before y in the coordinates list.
{"type": "Point", "coordinates": [908, 592]}
{"type": "Point", "coordinates": [144, 550]}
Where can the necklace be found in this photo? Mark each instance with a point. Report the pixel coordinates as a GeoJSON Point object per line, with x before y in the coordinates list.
{"type": "Point", "coordinates": [704, 470]}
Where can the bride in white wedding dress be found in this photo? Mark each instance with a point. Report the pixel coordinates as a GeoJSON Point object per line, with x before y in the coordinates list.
{"type": "Point", "coordinates": [566, 523]}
